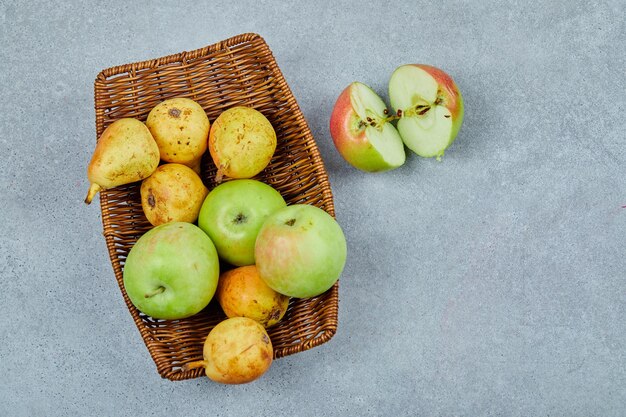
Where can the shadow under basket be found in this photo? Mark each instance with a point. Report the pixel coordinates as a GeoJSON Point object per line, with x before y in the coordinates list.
{"type": "Point", "coordinates": [237, 71]}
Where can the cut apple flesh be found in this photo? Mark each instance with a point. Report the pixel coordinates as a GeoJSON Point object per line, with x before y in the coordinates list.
{"type": "Point", "coordinates": [371, 116]}
{"type": "Point", "coordinates": [428, 135]}
{"type": "Point", "coordinates": [388, 143]}
{"type": "Point", "coordinates": [425, 124]}
{"type": "Point", "coordinates": [410, 86]}
{"type": "Point", "coordinates": [366, 103]}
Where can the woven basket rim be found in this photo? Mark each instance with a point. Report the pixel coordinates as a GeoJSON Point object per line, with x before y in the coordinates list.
{"type": "Point", "coordinates": [163, 367]}
{"type": "Point", "coordinates": [180, 56]}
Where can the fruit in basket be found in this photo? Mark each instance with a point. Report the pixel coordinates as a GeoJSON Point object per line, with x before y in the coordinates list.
{"type": "Point", "coordinates": [430, 108]}
{"type": "Point", "coordinates": [242, 293]}
{"type": "Point", "coordinates": [236, 351]}
{"type": "Point", "coordinates": [241, 142]}
{"type": "Point", "coordinates": [173, 193]}
{"type": "Point", "coordinates": [180, 127]}
{"type": "Point", "coordinates": [361, 130]}
{"type": "Point", "coordinates": [172, 271]}
{"type": "Point", "coordinates": [300, 251]}
{"type": "Point", "coordinates": [232, 215]}
{"type": "Point", "coordinates": [126, 152]}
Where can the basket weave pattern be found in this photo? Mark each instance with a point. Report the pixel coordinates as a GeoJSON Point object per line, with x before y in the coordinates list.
{"type": "Point", "coordinates": [238, 71]}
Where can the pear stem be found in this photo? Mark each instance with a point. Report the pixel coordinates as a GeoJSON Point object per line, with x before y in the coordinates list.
{"type": "Point", "coordinates": [155, 292]}
{"type": "Point", "coordinates": [220, 172]}
{"type": "Point", "coordinates": [219, 176]}
{"type": "Point", "coordinates": [93, 190]}
{"type": "Point", "coordinates": [193, 365]}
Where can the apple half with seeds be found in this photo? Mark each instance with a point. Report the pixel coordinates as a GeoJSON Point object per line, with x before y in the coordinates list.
{"type": "Point", "coordinates": [361, 130]}
{"type": "Point", "coordinates": [429, 106]}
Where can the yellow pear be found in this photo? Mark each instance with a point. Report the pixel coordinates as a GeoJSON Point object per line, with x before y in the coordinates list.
{"type": "Point", "coordinates": [180, 128]}
{"type": "Point", "coordinates": [173, 193]}
{"type": "Point", "coordinates": [238, 350]}
{"type": "Point", "coordinates": [241, 142]}
{"type": "Point", "coordinates": [126, 152]}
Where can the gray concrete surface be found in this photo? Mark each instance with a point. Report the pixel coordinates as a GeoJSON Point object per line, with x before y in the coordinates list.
{"type": "Point", "coordinates": [491, 283]}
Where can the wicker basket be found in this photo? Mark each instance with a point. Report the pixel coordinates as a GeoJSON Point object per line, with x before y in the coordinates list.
{"type": "Point", "coordinates": [238, 71]}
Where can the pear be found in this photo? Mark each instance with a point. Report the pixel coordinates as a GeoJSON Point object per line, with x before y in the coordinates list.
{"type": "Point", "coordinates": [173, 193]}
{"type": "Point", "coordinates": [238, 350]}
{"type": "Point", "coordinates": [180, 128]}
{"type": "Point", "coordinates": [241, 143]}
{"type": "Point", "coordinates": [126, 152]}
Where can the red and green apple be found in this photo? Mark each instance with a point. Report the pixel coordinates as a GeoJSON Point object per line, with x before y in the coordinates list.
{"type": "Point", "coordinates": [300, 251]}
{"type": "Point", "coordinates": [429, 106]}
{"type": "Point", "coordinates": [360, 128]}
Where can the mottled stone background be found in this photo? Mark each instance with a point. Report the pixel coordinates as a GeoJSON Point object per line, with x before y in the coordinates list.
{"type": "Point", "coordinates": [491, 283]}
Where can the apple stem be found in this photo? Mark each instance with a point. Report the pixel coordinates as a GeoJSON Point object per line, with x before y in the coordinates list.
{"type": "Point", "coordinates": [193, 365]}
{"type": "Point", "coordinates": [155, 292]}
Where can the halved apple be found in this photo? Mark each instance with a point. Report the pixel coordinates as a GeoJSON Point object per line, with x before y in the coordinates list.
{"type": "Point", "coordinates": [429, 106]}
{"type": "Point", "coordinates": [360, 128]}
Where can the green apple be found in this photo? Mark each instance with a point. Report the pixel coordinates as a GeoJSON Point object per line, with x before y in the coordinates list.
{"type": "Point", "coordinates": [232, 215]}
{"type": "Point", "coordinates": [361, 132]}
{"type": "Point", "coordinates": [430, 107]}
{"type": "Point", "coordinates": [172, 271]}
{"type": "Point", "coordinates": [300, 251]}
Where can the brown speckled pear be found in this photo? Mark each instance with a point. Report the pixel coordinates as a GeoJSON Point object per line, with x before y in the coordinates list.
{"type": "Point", "coordinates": [236, 351]}
{"type": "Point", "coordinates": [173, 193]}
{"type": "Point", "coordinates": [180, 128]}
{"type": "Point", "coordinates": [126, 152]}
{"type": "Point", "coordinates": [241, 142]}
